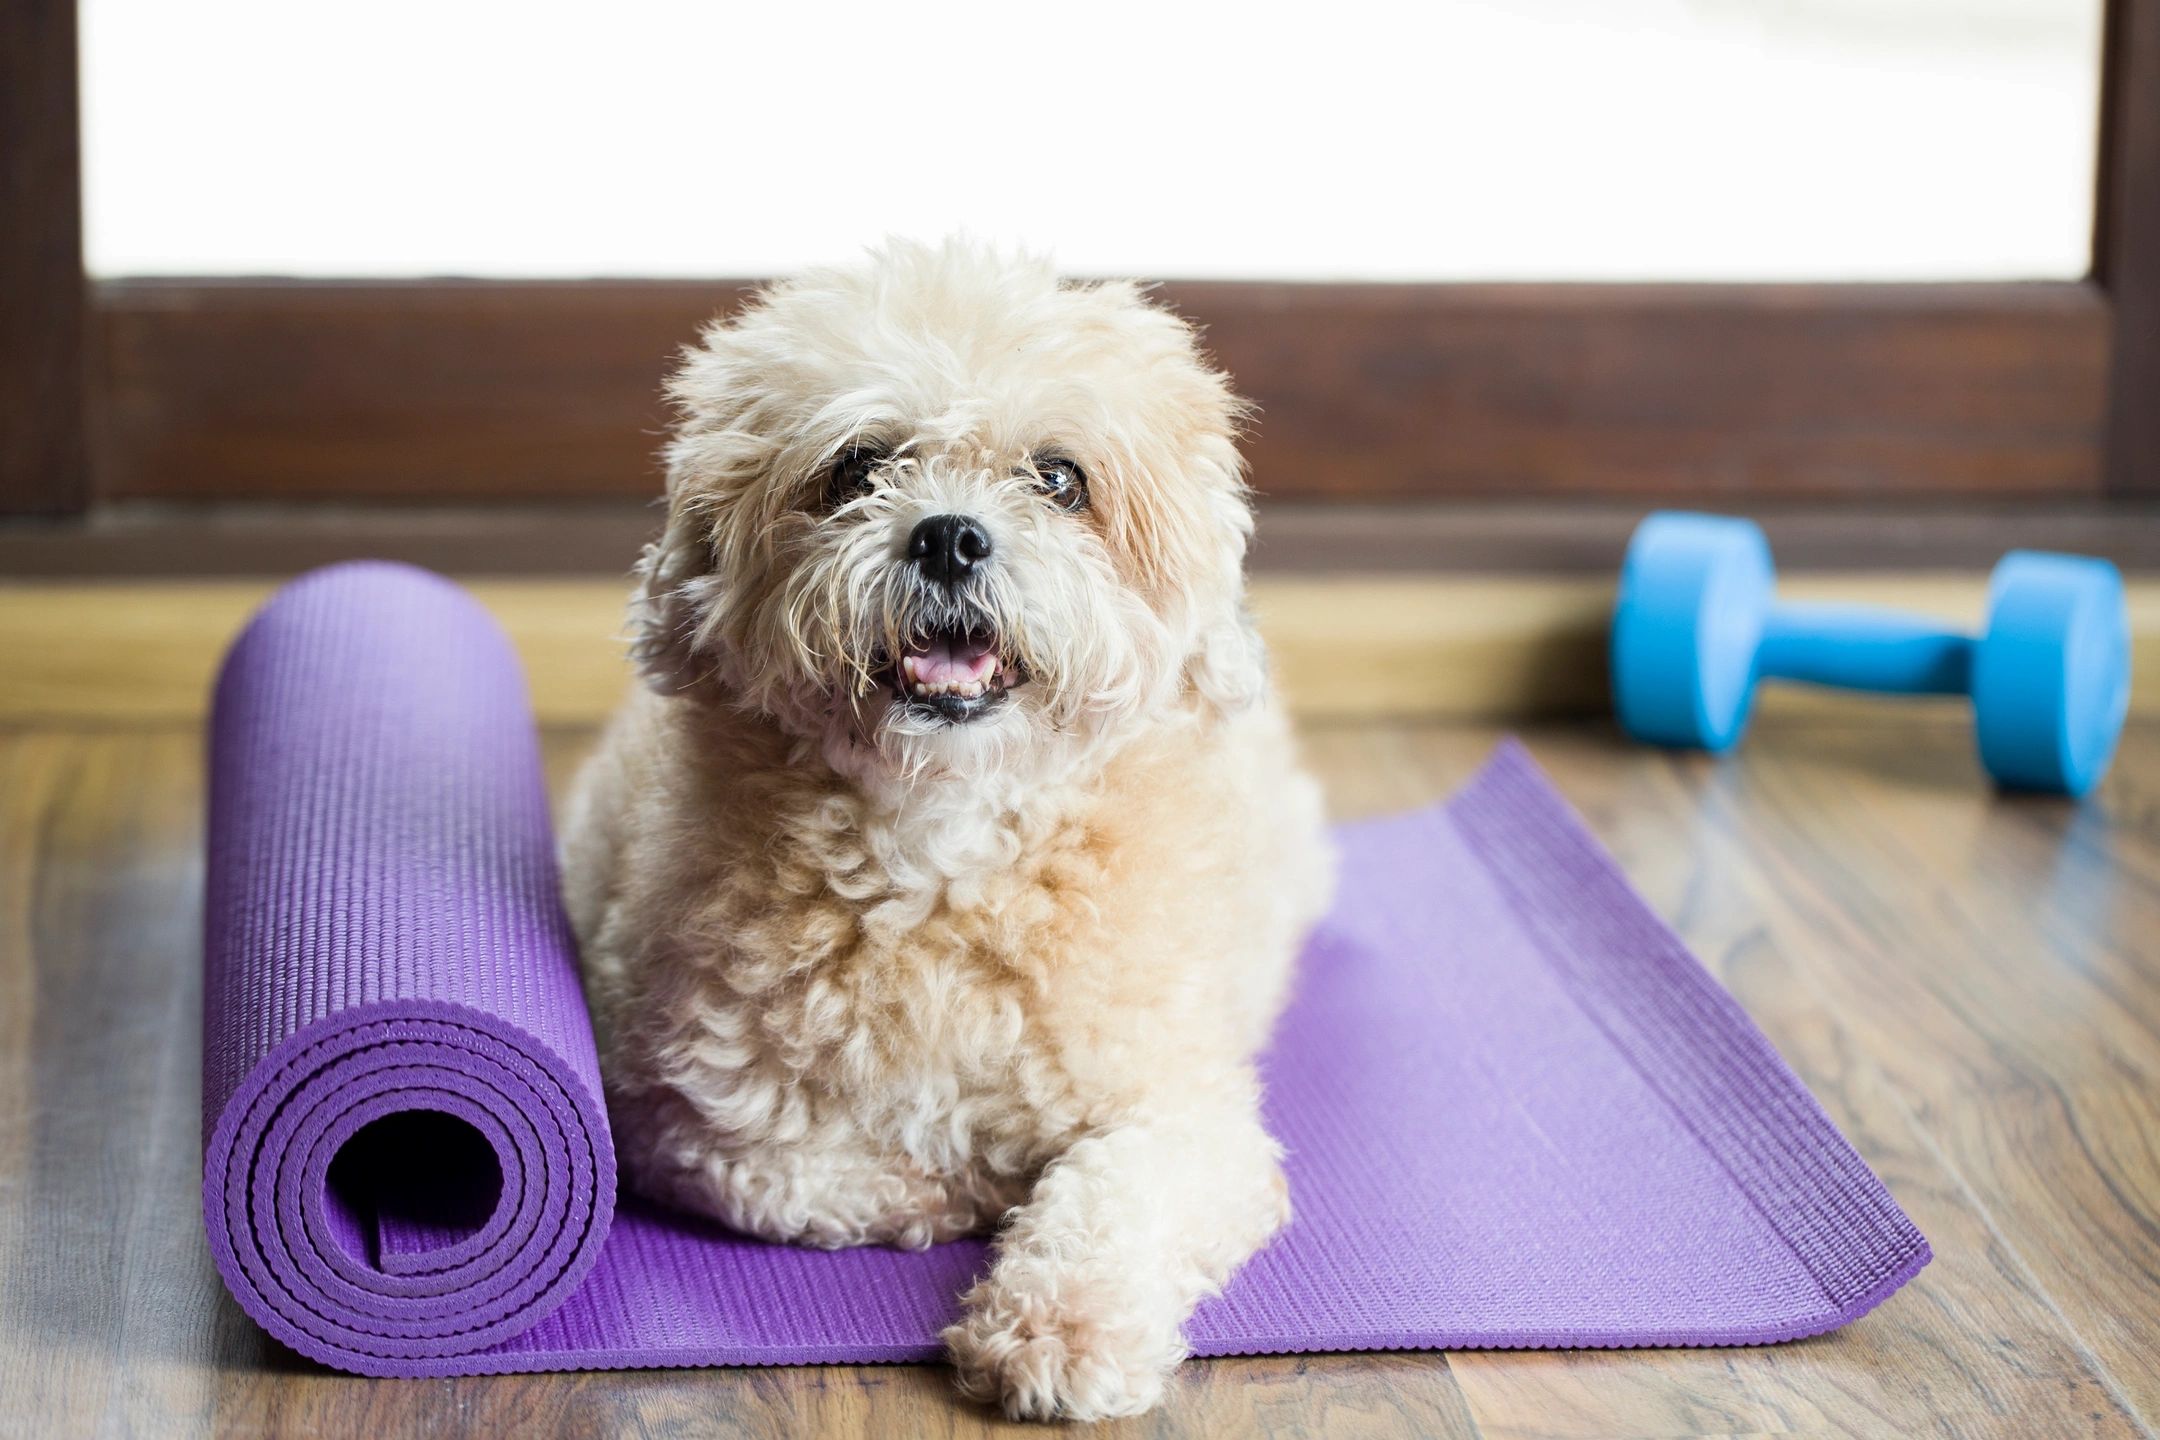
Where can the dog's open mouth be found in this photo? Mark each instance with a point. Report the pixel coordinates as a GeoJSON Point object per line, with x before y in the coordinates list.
{"type": "Point", "coordinates": [955, 675]}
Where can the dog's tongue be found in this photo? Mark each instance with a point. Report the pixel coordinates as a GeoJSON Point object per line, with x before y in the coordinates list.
{"type": "Point", "coordinates": [945, 661]}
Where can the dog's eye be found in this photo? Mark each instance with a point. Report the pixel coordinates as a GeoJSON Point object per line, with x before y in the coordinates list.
{"type": "Point", "coordinates": [850, 476]}
{"type": "Point", "coordinates": [1062, 482]}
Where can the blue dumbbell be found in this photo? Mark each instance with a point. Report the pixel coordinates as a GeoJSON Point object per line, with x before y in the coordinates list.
{"type": "Point", "coordinates": [1696, 626]}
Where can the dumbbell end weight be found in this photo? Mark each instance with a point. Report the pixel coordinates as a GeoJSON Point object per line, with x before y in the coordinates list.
{"type": "Point", "coordinates": [1694, 595]}
{"type": "Point", "coordinates": [2051, 675]}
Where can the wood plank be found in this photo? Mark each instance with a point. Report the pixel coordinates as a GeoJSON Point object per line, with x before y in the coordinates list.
{"type": "Point", "coordinates": [465, 390]}
{"type": "Point", "coordinates": [1589, 536]}
{"type": "Point", "coordinates": [2002, 965]}
{"type": "Point", "coordinates": [1437, 647]}
{"type": "Point", "coordinates": [44, 453]}
{"type": "Point", "coordinates": [2126, 259]}
{"type": "Point", "coordinates": [1581, 536]}
{"type": "Point", "coordinates": [1383, 1397]}
{"type": "Point", "coordinates": [1699, 391]}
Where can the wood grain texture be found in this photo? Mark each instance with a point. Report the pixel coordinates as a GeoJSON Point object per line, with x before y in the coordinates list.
{"type": "Point", "coordinates": [2126, 249]}
{"type": "Point", "coordinates": [440, 391]}
{"type": "Point", "coordinates": [1698, 391]}
{"type": "Point", "coordinates": [1345, 647]}
{"type": "Point", "coordinates": [44, 454]}
{"type": "Point", "coordinates": [1462, 537]}
{"type": "Point", "coordinates": [1969, 984]}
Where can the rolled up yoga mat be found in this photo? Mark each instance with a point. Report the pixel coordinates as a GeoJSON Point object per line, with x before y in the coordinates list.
{"type": "Point", "coordinates": [1517, 1111]}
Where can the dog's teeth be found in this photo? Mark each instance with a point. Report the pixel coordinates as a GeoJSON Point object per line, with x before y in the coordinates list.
{"type": "Point", "coordinates": [914, 681]}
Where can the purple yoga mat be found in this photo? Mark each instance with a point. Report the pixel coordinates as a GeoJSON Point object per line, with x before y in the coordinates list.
{"type": "Point", "coordinates": [1518, 1112]}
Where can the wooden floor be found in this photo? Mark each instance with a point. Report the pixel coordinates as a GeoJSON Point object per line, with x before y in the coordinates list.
{"type": "Point", "coordinates": [1970, 984]}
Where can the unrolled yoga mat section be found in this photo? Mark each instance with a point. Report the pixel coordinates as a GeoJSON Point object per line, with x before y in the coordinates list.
{"type": "Point", "coordinates": [1518, 1113]}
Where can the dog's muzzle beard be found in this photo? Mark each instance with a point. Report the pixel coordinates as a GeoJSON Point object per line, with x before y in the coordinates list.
{"type": "Point", "coordinates": [948, 662]}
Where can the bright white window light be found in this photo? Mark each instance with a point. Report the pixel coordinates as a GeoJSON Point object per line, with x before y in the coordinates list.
{"type": "Point", "coordinates": [1545, 139]}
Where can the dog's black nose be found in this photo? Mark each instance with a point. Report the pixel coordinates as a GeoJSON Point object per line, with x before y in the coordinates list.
{"type": "Point", "coordinates": [948, 547]}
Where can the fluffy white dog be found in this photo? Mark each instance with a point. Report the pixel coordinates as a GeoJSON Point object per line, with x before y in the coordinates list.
{"type": "Point", "coordinates": [947, 874]}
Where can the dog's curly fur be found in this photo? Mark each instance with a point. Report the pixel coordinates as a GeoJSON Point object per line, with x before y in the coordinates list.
{"type": "Point", "coordinates": [865, 974]}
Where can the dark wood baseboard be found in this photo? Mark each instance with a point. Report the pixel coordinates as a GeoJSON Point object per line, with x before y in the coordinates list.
{"type": "Point", "coordinates": [1573, 537]}
{"type": "Point", "coordinates": [2126, 234]}
{"type": "Point", "coordinates": [468, 392]}
{"type": "Point", "coordinates": [44, 337]}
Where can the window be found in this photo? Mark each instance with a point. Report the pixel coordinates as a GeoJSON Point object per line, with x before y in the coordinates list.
{"type": "Point", "coordinates": [1369, 140]}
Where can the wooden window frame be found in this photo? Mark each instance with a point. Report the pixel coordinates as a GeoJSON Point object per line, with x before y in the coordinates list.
{"type": "Point", "coordinates": [182, 397]}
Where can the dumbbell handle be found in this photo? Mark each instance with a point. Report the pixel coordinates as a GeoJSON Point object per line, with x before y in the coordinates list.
{"type": "Point", "coordinates": [1858, 647]}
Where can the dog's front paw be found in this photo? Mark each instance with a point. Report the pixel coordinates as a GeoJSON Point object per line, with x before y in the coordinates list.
{"type": "Point", "coordinates": [1065, 1358]}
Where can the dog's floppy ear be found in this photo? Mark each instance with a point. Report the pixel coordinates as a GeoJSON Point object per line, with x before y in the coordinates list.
{"type": "Point", "coordinates": [710, 453]}
{"type": "Point", "coordinates": [674, 593]}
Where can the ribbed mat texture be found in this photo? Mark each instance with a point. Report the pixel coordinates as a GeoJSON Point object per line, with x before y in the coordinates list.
{"type": "Point", "coordinates": [1518, 1112]}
